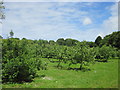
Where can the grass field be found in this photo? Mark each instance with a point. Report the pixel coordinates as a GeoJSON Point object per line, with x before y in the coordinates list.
{"type": "Point", "coordinates": [101, 75]}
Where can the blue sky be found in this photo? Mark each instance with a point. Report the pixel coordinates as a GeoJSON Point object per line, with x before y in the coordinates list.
{"type": "Point", "coordinates": [53, 20]}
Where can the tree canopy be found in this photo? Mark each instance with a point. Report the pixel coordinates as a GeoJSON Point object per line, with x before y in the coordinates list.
{"type": "Point", "coordinates": [98, 39]}
{"type": "Point", "coordinates": [112, 39]}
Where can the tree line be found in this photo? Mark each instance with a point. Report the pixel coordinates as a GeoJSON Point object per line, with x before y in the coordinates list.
{"type": "Point", "coordinates": [22, 58]}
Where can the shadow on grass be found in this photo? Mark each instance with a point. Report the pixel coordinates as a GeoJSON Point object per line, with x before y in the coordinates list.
{"type": "Point", "coordinates": [78, 69]}
{"type": "Point", "coordinates": [18, 82]}
{"type": "Point", "coordinates": [41, 76]}
{"type": "Point", "coordinates": [25, 81]}
{"type": "Point", "coordinates": [75, 69]}
{"type": "Point", "coordinates": [101, 60]}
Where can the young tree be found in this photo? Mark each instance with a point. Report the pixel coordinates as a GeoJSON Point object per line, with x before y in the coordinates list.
{"type": "Point", "coordinates": [11, 34]}
{"type": "Point", "coordinates": [84, 57]}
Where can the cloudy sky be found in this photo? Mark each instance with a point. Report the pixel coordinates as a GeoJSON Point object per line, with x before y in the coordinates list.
{"type": "Point", "coordinates": [53, 20]}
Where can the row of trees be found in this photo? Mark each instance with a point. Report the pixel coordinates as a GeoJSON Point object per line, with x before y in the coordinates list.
{"type": "Point", "coordinates": [21, 58]}
{"type": "Point", "coordinates": [111, 39]}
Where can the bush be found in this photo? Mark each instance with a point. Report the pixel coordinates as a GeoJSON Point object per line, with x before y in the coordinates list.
{"type": "Point", "coordinates": [118, 54]}
{"type": "Point", "coordinates": [104, 53]}
{"type": "Point", "coordinates": [19, 61]}
{"type": "Point", "coordinates": [18, 70]}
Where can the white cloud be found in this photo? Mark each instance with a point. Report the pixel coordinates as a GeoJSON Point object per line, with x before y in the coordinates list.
{"type": "Point", "coordinates": [28, 21]}
{"type": "Point", "coordinates": [111, 24]}
{"type": "Point", "coordinates": [53, 20]}
{"type": "Point", "coordinates": [108, 26]}
{"type": "Point", "coordinates": [87, 21]}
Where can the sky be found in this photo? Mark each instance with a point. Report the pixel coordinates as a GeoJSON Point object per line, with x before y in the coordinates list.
{"type": "Point", "coordinates": [53, 20]}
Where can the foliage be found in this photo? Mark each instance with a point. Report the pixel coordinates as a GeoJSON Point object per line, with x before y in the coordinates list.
{"type": "Point", "coordinates": [52, 42]}
{"type": "Point", "coordinates": [61, 41]}
{"type": "Point", "coordinates": [105, 52]}
{"type": "Point", "coordinates": [118, 54]}
{"type": "Point", "coordinates": [112, 39]}
{"type": "Point", "coordinates": [91, 44]}
{"type": "Point", "coordinates": [22, 58]}
{"type": "Point", "coordinates": [18, 70]}
{"type": "Point", "coordinates": [18, 62]}
{"type": "Point", "coordinates": [11, 34]}
{"type": "Point", "coordinates": [70, 42]}
{"type": "Point", "coordinates": [67, 42]}
{"type": "Point", "coordinates": [98, 39]}
{"type": "Point", "coordinates": [102, 75]}
{"type": "Point", "coordinates": [84, 56]}
{"type": "Point", "coordinates": [1, 37]}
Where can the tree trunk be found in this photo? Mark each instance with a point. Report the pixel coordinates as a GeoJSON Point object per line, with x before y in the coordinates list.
{"type": "Point", "coordinates": [81, 66]}
{"type": "Point", "coordinates": [59, 63]}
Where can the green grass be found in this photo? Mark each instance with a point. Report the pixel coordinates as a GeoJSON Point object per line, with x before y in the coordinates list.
{"type": "Point", "coordinates": [102, 75]}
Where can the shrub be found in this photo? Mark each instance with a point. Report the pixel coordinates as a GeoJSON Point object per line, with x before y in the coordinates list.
{"type": "Point", "coordinates": [19, 63]}
{"type": "Point", "coordinates": [18, 70]}
{"type": "Point", "coordinates": [104, 53]}
{"type": "Point", "coordinates": [118, 53]}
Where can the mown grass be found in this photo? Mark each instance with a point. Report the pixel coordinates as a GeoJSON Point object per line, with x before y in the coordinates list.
{"type": "Point", "coordinates": [101, 75]}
